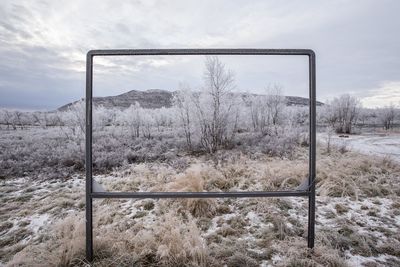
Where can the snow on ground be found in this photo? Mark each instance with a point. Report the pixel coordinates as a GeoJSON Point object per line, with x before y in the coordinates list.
{"type": "Point", "coordinates": [361, 230]}
{"type": "Point", "coordinates": [38, 221]}
{"type": "Point", "coordinates": [370, 144]}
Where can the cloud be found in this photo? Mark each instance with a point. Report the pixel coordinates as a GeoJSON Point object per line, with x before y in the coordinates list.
{"type": "Point", "coordinates": [43, 44]}
{"type": "Point", "coordinates": [387, 94]}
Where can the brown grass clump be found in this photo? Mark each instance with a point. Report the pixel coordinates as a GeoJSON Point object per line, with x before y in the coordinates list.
{"type": "Point", "coordinates": [169, 242]}
{"type": "Point", "coordinates": [192, 181]}
{"type": "Point", "coordinates": [352, 175]}
{"type": "Point", "coordinates": [64, 248]}
{"type": "Point", "coordinates": [295, 254]}
{"type": "Point", "coordinates": [284, 174]}
{"type": "Point", "coordinates": [346, 238]}
{"type": "Point", "coordinates": [340, 208]}
{"type": "Point", "coordinates": [232, 253]}
{"type": "Point", "coordinates": [279, 230]}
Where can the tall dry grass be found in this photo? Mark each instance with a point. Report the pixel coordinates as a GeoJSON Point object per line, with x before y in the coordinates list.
{"type": "Point", "coordinates": [203, 232]}
{"type": "Point", "coordinates": [169, 242]}
{"type": "Point", "coordinates": [192, 181]}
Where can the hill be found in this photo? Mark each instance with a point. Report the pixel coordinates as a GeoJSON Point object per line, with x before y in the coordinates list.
{"type": "Point", "coordinates": [156, 98]}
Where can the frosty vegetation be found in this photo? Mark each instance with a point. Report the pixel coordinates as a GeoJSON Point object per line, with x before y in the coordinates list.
{"type": "Point", "coordinates": [202, 120]}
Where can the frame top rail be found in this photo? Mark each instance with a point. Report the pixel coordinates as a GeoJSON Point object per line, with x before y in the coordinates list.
{"type": "Point", "coordinates": [220, 51]}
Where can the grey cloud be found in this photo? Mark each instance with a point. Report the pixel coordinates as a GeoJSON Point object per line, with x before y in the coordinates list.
{"type": "Point", "coordinates": [43, 45]}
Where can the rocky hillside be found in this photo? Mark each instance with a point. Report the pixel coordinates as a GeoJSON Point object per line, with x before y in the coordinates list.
{"type": "Point", "coordinates": [156, 98]}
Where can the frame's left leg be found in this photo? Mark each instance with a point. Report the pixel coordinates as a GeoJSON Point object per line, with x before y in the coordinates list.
{"type": "Point", "coordinates": [311, 218]}
{"type": "Point", "coordinates": [89, 229]}
{"type": "Point", "coordinates": [89, 199]}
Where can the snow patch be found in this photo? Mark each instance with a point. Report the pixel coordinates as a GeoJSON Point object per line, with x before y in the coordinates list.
{"type": "Point", "coordinates": [38, 221]}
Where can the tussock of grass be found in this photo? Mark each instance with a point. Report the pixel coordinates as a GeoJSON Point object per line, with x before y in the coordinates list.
{"type": "Point", "coordinates": [355, 175]}
{"type": "Point", "coordinates": [192, 181]}
{"type": "Point", "coordinates": [171, 242]}
{"type": "Point", "coordinates": [295, 254]}
{"type": "Point", "coordinates": [64, 248]}
{"type": "Point", "coordinates": [232, 253]}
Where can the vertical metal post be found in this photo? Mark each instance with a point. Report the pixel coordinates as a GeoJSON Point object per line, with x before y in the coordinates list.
{"type": "Point", "coordinates": [89, 211]}
{"type": "Point", "coordinates": [312, 160]}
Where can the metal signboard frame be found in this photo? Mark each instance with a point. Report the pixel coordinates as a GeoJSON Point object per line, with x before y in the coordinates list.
{"type": "Point", "coordinates": [308, 191]}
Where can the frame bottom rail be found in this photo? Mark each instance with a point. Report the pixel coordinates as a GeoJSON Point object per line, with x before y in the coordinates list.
{"type": "Point", "coordinates": [156, 195]}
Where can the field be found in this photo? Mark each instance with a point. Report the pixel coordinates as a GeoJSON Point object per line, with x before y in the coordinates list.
{"type": "Point", "coordinates": [42, 216]}
{"type": "Point", "coordinates": [195, 141]}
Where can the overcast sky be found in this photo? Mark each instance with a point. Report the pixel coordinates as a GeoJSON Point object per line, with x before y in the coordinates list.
{"type": "Point", "coordinates": [43, 46]}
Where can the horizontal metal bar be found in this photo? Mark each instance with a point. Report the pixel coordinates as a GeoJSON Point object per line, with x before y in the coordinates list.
{"type": "Point", "coordinates": [199, 194]}
{"type": "Point", "coordinates": [152, 52]}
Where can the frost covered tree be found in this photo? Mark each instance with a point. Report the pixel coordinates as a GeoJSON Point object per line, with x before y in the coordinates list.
{"type": "Point", "coordinates": [36, 119]}
{"type": "Point", "coordinates": [342, 113]}
{"type": "Point", "coordinates": [132, 117]}
{"type": "Point", "coordinates": [103, 117]}
{"type": "Point", "coordinates": [267, 111]}
{"type": "Point", "coordinates": [258, 113]}
{"type": "Point", "coordinates": [162, 118]}
{"type": "Point", "coordinates": [7, 119]}
{"type": "Point", "coordinates": [387, 116]}
{"type": "Point", "coordinates": [78, 120]}
{"type": "Point", "coordinates": [14, 118]}
{"type": "Point", "coordinates": [72, 121]}
{"type": "Point", "coordinates": [216, 109]}
{"type": "Point", "coordinates": [276, 104]}
{"type": "Point", "coordinates": [147, 122]}
{"type": "Point", "coordinates": [364, 116]}
{"type": "Point", "coordinates": [18, 118]}
{"type": "Point", "coordinates": [183, 102]}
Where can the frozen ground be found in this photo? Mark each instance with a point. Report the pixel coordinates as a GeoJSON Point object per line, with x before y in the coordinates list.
{"type": "Point", "coordinates": [358, 217]}
{"type": "Point", "coordinates": [370, 144]}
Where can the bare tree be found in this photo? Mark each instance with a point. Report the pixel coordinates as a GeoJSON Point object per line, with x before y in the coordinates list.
{"type": "Point", "coordinates": [36, 120]}
{"type": "Point", "coordinates": [18, 117]}
{"type": "Point", "coordinates": [259, 113]}
{"type": "Point", "coordinates": [267, 111]}
{"type": "Point", "coordinates": [77, 112]}
{"type": "Point", "coordinates": [71, 122]}
{"type": "Point", "coordinates": [276, 104]}
{"type": "Point", "coordinates": [133, 118]}
{"type": "Point", "coordinates": [329, 133]}
{"type": "Point", "coordinates": [342, 113]}
{"type": "Point", "coordinates": [215, 105]}
{"type": "Point", "coordinates": [182, 101]}
{"type": "Point", "coordinates": [387, 116]}
{"type": "Point", "coordinates": [7, 119]}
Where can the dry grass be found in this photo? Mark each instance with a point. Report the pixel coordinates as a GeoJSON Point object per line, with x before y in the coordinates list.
{"type": "Point", "coordinates": [296, 255]}
{"type": "Point", "coordinates": [64, 248]}
{"type": "Point", "coordinates": [192, 181]}
{"type": "Point", "coordinates": [203, 232]}
{"type": "Point", "coordinates": [354, 175]}
{"type": "Point", "coordinates": [170, 242]}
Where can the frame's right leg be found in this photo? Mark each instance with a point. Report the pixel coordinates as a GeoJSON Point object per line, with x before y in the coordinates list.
{"type": "Point", "coordinates": [312, 154]}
